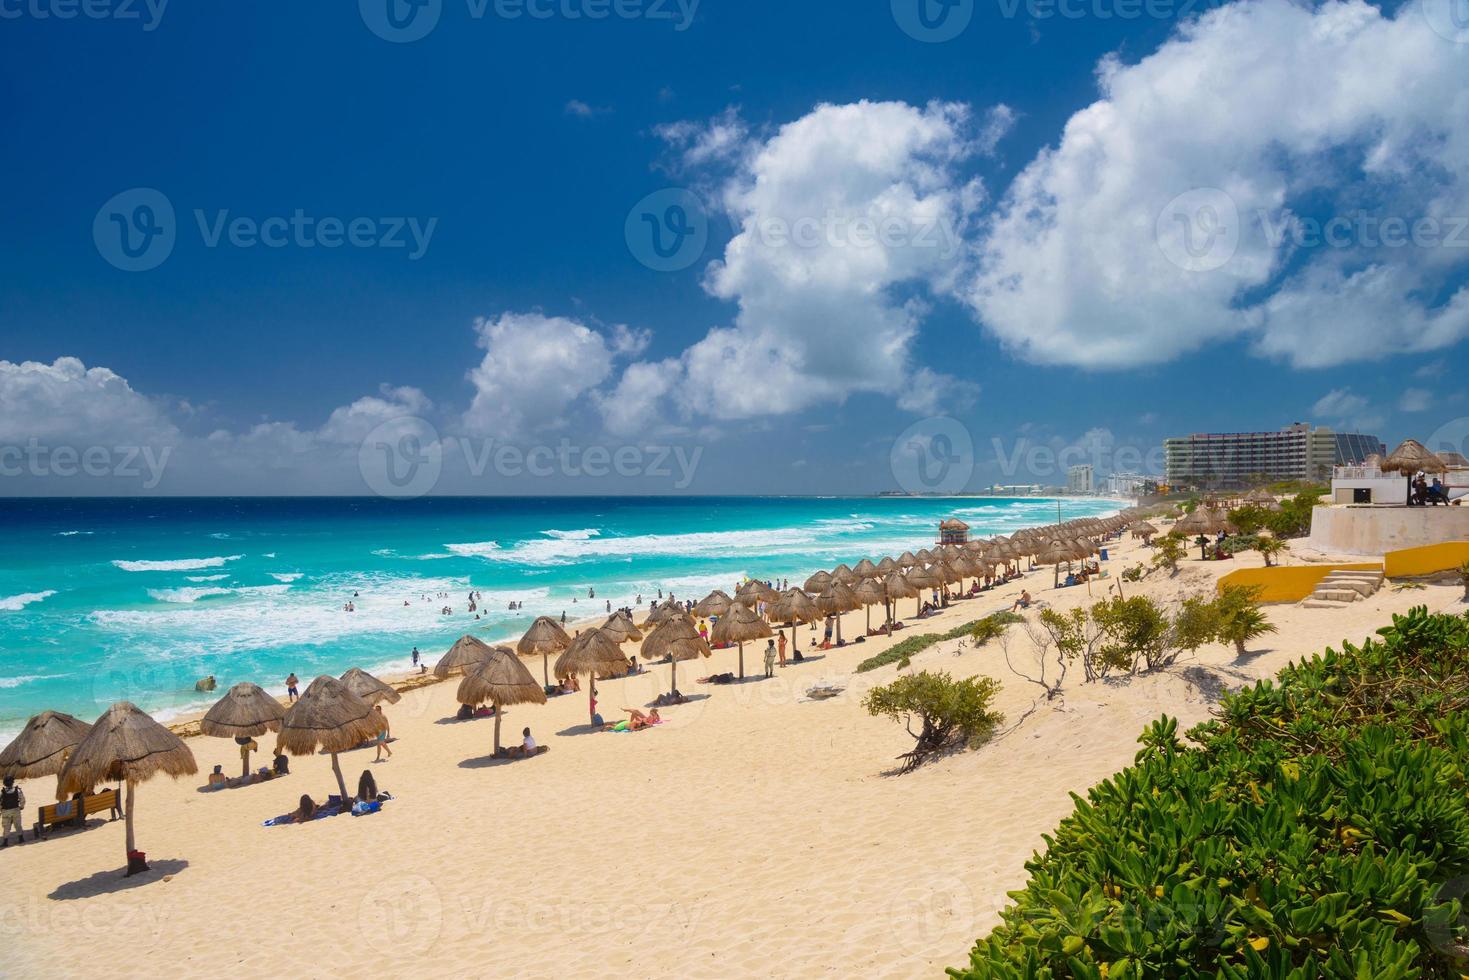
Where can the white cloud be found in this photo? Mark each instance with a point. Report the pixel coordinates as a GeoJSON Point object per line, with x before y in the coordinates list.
{"type": "Point", "coordinates": [68, 402]}
{"type": "Point", "coordinates": [833, 213]}
{"type": "Point", "coordinates": [635, 405]}
{"type": "Point", "coordinates": [997, 125]}
{"type": "Point", "coordinates": [929, 392]}
{"type": "Point", "coordinates": [721, 139]}
{"type": "Point", "coordinates": [584, 110]}
{"type": "Point", "coordinates": [534, 368]}
{"type": "Point", "coordinates": [1337, 403]}
{"type": "Point", "coordinates": [1415, 400]}
{"type": "Point", "coordinates": [1072, 272]}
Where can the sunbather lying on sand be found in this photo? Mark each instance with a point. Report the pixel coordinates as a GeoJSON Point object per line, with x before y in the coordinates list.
{"type": "Point", "coordinates": [636, 721]}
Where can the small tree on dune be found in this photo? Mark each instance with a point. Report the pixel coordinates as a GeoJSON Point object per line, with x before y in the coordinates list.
{"type": "Point", "coordinates": [1239, 618]}
{"type": "Point", "coordinates": [1270, 547]}
{"type": "Point", "coordinates": [951, 714]}
{"type": "Point", "coordinates": [1169, 552]}
{"type": "Point", "coordinates": [1464, 578]}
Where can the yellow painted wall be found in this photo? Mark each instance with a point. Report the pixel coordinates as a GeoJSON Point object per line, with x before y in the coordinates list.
{"type": "Point", "coordinates": [1290, 583]}
{"type": "Point", "coordinates": [1426, 560]}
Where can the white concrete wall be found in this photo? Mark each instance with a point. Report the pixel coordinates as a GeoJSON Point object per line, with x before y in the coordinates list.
{"type": "Point", "coordinates": [1378, 530]}
{"type": "Point", "coordinates": [1392, 489]}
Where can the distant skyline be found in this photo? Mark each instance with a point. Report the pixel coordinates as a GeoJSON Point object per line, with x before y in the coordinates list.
{"type": "Point", "coordinates": [522, 247]}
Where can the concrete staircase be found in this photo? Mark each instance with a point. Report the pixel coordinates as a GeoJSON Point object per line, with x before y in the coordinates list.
{"type": "Point", "coordinates": [1341, 589]}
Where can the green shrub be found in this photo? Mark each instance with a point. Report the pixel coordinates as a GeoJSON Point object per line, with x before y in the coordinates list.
{"type": "Point", "coordinates": [1464, 578]}
{"type": "Point", "coordinates": [1169, 551]}
{"type": "Point", "coordinates": [1134, 634]}
{"type": "Point", "coordinates": [902, 652]}
{"type": "Point", "coordinates": [1238, 617]}
{"type": "Point", "coordinates": [951, 714]}
{"type": "Point", "coordinates": [1314, 829]}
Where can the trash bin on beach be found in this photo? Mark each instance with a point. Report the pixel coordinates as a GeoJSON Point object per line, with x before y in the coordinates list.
{"type": "Point", "coordinates": [1104, 554]}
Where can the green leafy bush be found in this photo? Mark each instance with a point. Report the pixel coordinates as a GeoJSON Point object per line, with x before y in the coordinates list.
{"type": "Point", "coordinates": [1169, 551]}
{"type": "Point", "coordinates": [1316, 828]}
{"type": "Point", "coordinates": [1464, 578]}
{"type": "Point", "coordinates": [1238, 617]}
{"type": "Point", "coordinates": [902, 652]}
{"type": "Point", "coordinates": [951, 714]}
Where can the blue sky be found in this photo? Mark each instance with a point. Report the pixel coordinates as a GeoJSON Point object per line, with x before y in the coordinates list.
{"type": "Point", "coordinates": [1032, 171]}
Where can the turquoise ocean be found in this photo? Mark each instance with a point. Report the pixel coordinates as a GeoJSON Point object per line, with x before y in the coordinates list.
{"type": "Point", "coordinates": [102, 600]}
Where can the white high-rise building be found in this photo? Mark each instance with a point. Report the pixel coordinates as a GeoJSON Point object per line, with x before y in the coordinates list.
{"type": "Point", "coordinates": [1079, 479]}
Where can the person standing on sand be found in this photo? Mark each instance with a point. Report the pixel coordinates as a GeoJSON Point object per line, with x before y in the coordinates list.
{"type": "Point", "coordinates": [781, 649]}
{"type": "Point", "coordinates": [384, 735]}
{"type": "Point", "coordinates": [770, 659]}
{"type": "Point", "coordinates": [291, 684]}
{"type": "Point", "coordinates": [12, 809]}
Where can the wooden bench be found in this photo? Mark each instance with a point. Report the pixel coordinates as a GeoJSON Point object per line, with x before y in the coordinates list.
{"type": "Point", "coordinates": [75, 812]}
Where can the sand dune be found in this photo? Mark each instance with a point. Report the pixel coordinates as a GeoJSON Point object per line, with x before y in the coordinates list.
{"type": "Point", "coordinates": [754, 834]}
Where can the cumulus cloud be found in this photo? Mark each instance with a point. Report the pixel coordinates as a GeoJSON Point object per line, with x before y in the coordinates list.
{"type": "Point", "coordinates": [1076, 267]}
{"type": "Point", "coordinates": [1337, 403]}
{"type": "Point", "coordinates": [534, 368]}
{"type": "Point", "coordinates": [1415, 400]}
{"type": "Point", "coordinates": [66, 401]}
{"type": "Point", "coordinates": [697, 143]}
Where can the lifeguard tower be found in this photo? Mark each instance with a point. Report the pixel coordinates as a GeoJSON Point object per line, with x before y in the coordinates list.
{"type": "Point", "coordinates": [953, 531]}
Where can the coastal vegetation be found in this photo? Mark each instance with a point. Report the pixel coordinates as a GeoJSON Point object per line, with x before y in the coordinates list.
{"type": "Point", "coordinates": [950, 714]}
{"type": "Point", "coordinates": [1316, 826]}
{"type": "Point", "coordinates": [1168, 551]}
{"type": "Point", "coordinates": [901, 653]}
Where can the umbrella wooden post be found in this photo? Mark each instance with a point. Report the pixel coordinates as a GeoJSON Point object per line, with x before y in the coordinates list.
{"type": "Point", "coordinates": [742, 659]}
{"type": "Point", "coordinates": [546, 668]}
{"type": "Point", "coordinates": [132, 844]}
{"type": "Point", "coordinates": [245, 761]}
{"type": "Point", "coordinates": [672, 674]}
{"type": "Point", "coordinates": [592, 698]}
{"type": "Point", "coordinates": [869, 619]}
{"type": "Point", "coordinates": [918, 604]}
{"type": "Point", "coordinates": [341, 783]}
{"type": "Point", "coordinates": [498, 713]}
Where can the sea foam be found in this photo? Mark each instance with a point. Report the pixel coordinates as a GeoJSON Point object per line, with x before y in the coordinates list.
{"type": "Point", "coordinates": [176, 565]}
{"type": "Point", "coordinates": [18, 602]}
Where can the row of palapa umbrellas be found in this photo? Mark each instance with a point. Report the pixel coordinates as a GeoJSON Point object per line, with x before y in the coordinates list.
{"type": "Point", "coordinates": [333, 715]}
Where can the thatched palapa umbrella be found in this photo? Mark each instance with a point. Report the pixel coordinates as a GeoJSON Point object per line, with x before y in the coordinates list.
{"type": "Point", "coordinates": [372, 690]}
{"type": "Point", "coordinates": [1054, 553]}
{"type": "Point", "coordinates": [898, 587]}
{"type": "Point", "coordinates": [870, 592]}
{"type": "Point", "coordinates": [331, 718]}
{"type": "Point", "coordinates": [128, 746]}
{"type": "Point", "coordinates": [544, 637]}
{"type": "Point", "coordinates": [886, 566]}
{"type": "Point", "coordinates": [467, 653]}
{"type": "Point", "coordinates": [42, 747]}
{"type": "Point", "coordinates": [501, 680]}
{"type": "Point", "coordinates": [795, 607]}
{"type": "Point", "coordinates": [741, 623]}
{"type": "Point", "coordinates": [864, 569]}
{"type": "Point", "coordinates": [838, 599]}
{"type": "Point", "coordinates": [715, 603]}
{"type": "Point", "coordinates": [678, 640]}
{"type": "Point", "coordinates": [245, 712]}
{"type": "Point", "coordinates": [664, 611]}
{"type": "Point", "coordinates": [592, 652]}
{"type": "Point", "coordinates": [1411, 458]}
{"type": "Point", "coordinates": [620, 627]}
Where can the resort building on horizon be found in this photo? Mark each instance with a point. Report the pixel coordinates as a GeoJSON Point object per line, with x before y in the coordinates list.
{"type": "Point", "coordinates": [1080, 479]}
{"type": "Point", "coordinates": [1221, 460]}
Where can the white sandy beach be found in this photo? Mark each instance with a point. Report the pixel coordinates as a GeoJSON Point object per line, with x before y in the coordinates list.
{"type": "Point", "coordinates": [753, 834]}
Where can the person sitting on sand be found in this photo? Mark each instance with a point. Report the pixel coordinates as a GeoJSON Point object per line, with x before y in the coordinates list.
{"type": "Point", "coordinates": [366, 787]}
{"type": "Point", "coordinates": [1023, 602]}
{"type": "Point", "coordinates": [306, 811]}
{"type": "Point", "coordinates": [527, 746]}
{"type": "Point", "coordinates": [217, 778]}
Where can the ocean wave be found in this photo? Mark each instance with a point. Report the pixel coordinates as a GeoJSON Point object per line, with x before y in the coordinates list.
{"type": "Point", "coordinates": [695, 544]}
{"type": "Point", "coordinates": [585, 534]}
{"type": "Point", "coordinates": [73, 534]}
{"type": "Point", "coordinates": [190, 595]}
{"type": "Point", "coordinates": [207, 578]}
{"type": "Point", "coordinates": [286, 576]}
{"type": "Point", "coordinates": [6, 683]}
{"type": "Point", "coordinates": [176, 565]}
{"type": "Point", "coordinates": [477, 549]}
{"type": "Point", "coordinates": [18, 602]}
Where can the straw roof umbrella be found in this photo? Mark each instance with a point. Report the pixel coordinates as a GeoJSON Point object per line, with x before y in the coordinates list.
{"type": "Point", "coordinates": [844, 575]}
{"type": "Point", "coordinates": [925, 556]}
{"type": "Point", "coordinates": [125, 745]}
{"type": "Point", "coordinates": [620, 625]}
{"type": "Point", "coordinates": [501, 680]}
{"type": "Point", "coordinates": [715, 603]}
{"type": "Point", "coordinates": [837, 599]}
{"type": "Point", "coordinates": [591, 652]}
{"type": "Point", "coordinates": [467, 653]}
{"type": "Point", "coordinates": [544, 637]}
{"type": "Point", "coordinates": [1144, 530]}
{"type": "Point", "coordinates": [1413, 457]}
{"type": "Point", "coordinates": [331, 718]}
{"type": "Point", "coordinates": [741, 623]}
{"type": "Point", "coordinates": [864, 569]}
{"type": "Point", "coordinates": [817, 582]}
{"type": "Point", "coordinates": [678, 640]}
{"type": "Point", "coordinates": [43, 746]}
{"type": "Point", "coordinates": [898, 587]}
{"type": "Point", "coordinates": [907, 560]}
{"type": "Point", "coordinates": [669, 608]}
{"type": "Point", "coordinates": [795, 607]}
{"type": "Point", "coordinates": [245, 711]}
{"type": "Point", "coordinates": [886, 566]}
{"type": "Point", "coordinates": [372, 690]}
{"type": "Point", "coordinates": [1195, 523]}
{"type": "Point", "coordinates": [870, 592]}
{"type": "Point", "coordinates": [1054, 553]}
